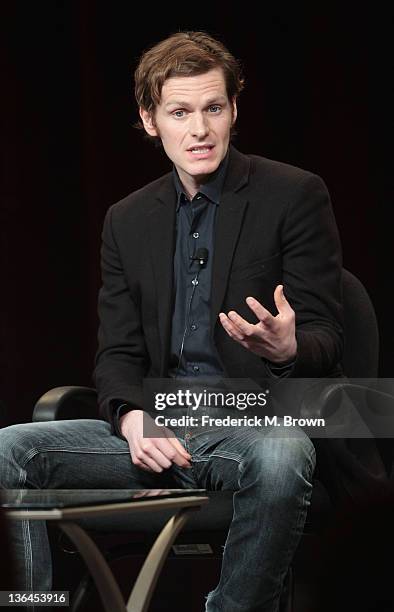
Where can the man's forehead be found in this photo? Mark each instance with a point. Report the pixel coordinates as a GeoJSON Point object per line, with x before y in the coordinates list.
{"type": "Point", "coordinates": [209, 83]}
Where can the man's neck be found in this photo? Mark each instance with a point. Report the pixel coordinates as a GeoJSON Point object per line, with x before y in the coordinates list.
{"type": "Point", "coordinates": [212, 182]}
{"type": "Point", "coordinates": [192, 185]}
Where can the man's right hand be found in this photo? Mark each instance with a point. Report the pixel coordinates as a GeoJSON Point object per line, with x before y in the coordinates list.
{"type": "Point", "coordinates": [152, 454]}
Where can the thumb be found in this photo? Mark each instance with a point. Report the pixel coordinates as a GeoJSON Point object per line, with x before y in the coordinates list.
{"type": "Point", "coordinates": [280, 300]}
{"type": "Point", "coordinates": [176, 444]}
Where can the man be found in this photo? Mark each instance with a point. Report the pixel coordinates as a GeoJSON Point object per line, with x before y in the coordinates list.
{"type": "Point", "coordinates": [227, 267]}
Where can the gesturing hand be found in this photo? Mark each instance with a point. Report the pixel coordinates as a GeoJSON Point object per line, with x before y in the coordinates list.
{"type": "Point", "coordinates": [152, 454]}
{"type": "Point", "coordinates": [272, 337]}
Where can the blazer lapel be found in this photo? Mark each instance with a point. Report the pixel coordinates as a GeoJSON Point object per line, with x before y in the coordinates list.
{"type": "Point", "coordinates": [231, 212]}
{"type": "Point", "coordinates": [162, 247]}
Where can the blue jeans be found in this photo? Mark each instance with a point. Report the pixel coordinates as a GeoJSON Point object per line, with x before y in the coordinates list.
{"type": "Point", "coordinates": [269, 472]}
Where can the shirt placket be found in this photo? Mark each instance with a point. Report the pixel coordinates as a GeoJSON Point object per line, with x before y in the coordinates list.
{"type": "Point", "coordinates": [197, 208]}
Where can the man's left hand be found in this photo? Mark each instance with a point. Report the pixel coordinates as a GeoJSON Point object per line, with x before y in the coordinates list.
{"type": "Point", "coordinates": [272, 337]}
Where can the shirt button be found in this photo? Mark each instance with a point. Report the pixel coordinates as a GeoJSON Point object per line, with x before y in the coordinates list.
{"type": "Point", "coordinates": [196, 368]}
{"type": "Point", "coordinates": [194, 281]}
{"type": "Point", "coordinates": [198, 197]}
{"type": "Point", "coordinates": [193, 326]}
{"type": "Point", "coordinates": [196, 235]}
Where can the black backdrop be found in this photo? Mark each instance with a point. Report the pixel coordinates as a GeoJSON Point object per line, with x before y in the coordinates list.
{"type": "Point", "coordinates": [318, 95]}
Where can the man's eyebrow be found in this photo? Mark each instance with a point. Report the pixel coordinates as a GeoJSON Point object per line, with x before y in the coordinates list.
{"type": "Point", "coordinates": [215, 100]}
{"type": "Point", "coordinates": [176, 103]}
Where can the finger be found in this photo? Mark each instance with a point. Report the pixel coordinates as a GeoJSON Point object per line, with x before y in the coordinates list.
{"type": "Point", "coordinates": [133, 445]}
{"type": "Point", "coordinates": [176, 443]}
{"type": "Point", "coordinates": [140, 465]}
{"type": "Point", "coordinates": [175, 452]}
{"type": "Point", "coordinates": [263, 315]}
{"type": "Point", "coordinates": [176, 456]}
{"type": "Point", "coordinates": [250, 343]}
{"type": "Point", "coordinates": [160, 451]}
{"type": "Point", "coordinates": [147, 454]}
{"type": "Point", "coordinates": [230, 328]}
{"type": "Point", "coordinates": [281, 302]}
{"type": "Point", "coordinates": [247, 329]}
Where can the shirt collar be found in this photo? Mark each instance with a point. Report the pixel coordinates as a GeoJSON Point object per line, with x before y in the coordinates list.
{"type": "Point", "coordinates": [212, 189]}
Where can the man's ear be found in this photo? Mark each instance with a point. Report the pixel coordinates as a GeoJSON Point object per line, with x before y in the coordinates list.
{"type": "Point", "coordinates": [234, 110]}
{"type": "Point", "coordinates": [148, 122]}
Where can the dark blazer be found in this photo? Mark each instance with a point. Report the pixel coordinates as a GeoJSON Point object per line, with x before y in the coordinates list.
{"type": "Point", "coordinates": [274, 225]}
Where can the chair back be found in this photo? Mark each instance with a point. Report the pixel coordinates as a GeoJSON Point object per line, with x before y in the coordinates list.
{"type": "Point", "coordinates": [361, 350]}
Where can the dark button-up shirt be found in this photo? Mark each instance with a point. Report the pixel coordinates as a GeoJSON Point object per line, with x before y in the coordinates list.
{"type": "Point", "coordinates": [191, 324]}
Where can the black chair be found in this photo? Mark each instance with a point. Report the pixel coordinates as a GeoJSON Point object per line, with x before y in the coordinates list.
{"type": "Point", "coordinates": [210, 525]}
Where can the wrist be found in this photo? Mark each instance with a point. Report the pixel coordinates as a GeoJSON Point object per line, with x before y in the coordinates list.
{"type": "Point", "coordinates": [290, 355]}
{"type": "Point", "coordinates": [126, 418]}
{"type": "Point", "coordinates": [285, 358]}
{"type": "Point", "coordinates": [282, 362]}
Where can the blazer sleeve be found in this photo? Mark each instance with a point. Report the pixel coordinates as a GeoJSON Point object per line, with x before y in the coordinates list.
{"type": "Point", "coordinates": [121, 359]}
{"type": "Point", "coordinates": [312, 279]}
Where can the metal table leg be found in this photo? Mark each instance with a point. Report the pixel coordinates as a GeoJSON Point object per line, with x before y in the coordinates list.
{"type": "Point", "coordinates": [145, 583]}
{"type": "Point", "coordinates": [106, 584]}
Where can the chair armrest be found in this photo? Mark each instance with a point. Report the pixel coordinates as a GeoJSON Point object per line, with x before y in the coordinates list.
{"type": "Point", "coordinates": [375, 407]}
{"type": "Point", "coordinates": [63, 403]}
{"type": "Point", "coordinates": [323, 404]}
{"type": "Point", "coordinates": [321, 401]}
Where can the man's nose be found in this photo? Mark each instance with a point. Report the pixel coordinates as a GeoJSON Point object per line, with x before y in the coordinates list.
{"type": "Point", "coordinates": [198, 125]}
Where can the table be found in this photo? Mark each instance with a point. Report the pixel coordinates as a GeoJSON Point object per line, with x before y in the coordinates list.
{"type": "Point", "coordinates": [65, 506]}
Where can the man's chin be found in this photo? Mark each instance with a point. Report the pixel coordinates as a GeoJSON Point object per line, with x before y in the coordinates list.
{"type": "Point", "coordinates": [203, 168]}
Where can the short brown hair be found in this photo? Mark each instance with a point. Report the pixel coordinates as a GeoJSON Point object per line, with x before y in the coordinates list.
{"type": "Point", "coordinates": [183, 54]}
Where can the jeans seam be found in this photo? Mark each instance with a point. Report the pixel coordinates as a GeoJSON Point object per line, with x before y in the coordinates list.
{"type": "Point", "coordinates": [36, 451]}
{"type": "Point", "coordinates": [27, 540]}
{"type": "Point", "coordinates": [28, 555]}
{"type": "Point", "coordinates": [220, 456]}
{"type": "Point", "coordinates": [303, 509]}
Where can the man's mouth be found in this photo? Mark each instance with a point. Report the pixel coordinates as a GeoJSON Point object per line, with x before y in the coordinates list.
{"type": "Point", "coordinates": [200, 150]}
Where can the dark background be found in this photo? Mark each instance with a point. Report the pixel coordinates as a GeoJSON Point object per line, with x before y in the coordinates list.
{"type": "Point", "coordinates": [318, 95]}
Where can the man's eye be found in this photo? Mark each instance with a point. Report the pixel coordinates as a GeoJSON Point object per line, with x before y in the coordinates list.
{"type": "Point", "coordinates": [178, 113]}
{"type": "Point", "coordinates": [215, 108]}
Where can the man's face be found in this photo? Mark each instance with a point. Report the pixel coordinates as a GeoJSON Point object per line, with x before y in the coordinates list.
{"type": "Point", "coordinates": [193, 121]}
